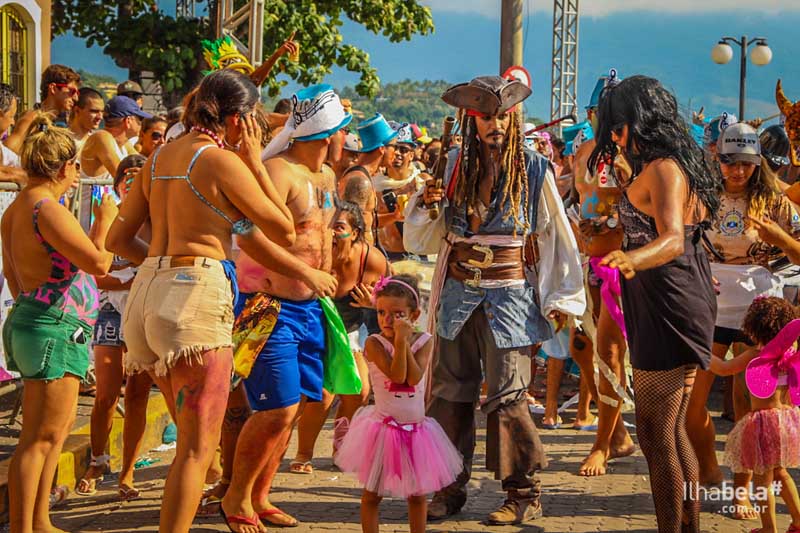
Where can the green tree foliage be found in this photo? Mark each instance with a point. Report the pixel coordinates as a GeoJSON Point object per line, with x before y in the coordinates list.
{"type": "Point", "coordinates": [410, 101]}
{"type": "Point", "coordinates": [139, 37]}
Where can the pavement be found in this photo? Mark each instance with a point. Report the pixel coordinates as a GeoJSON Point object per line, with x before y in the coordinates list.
{"type": "Point", "coordinates": [328, 500]}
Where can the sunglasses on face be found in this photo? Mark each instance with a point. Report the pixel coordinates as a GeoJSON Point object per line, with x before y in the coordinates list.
{"type": "Point", "coordinates": [70, 89]}
{"type": "Point", "coordinates": [156, 135]}
{"type": "Point", "coordinates": [404, 149]}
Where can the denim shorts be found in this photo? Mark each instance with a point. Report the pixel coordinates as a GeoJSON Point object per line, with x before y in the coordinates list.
{"type": "Point", "coordinates": [108, 328]}
{"type": "Point", "coordinates": [42, 342]}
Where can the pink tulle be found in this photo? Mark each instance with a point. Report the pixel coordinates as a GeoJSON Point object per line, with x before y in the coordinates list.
{"type": "Point", "coordinates": [765, 439]}
{"type": "Point", "coordinates": [400, 460]}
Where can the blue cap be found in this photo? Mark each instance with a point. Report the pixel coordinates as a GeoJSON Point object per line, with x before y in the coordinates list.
{"type": "Point", "coordinates": [569, 133]}
{"type": "Point", "coordinates": [122, 106]}
{"type": "Point", "coordinates": [601, 84]}
{"type": "Point", "coordinates": [698, 134]}
{"type": "Point", "coordinates": [375, 132]}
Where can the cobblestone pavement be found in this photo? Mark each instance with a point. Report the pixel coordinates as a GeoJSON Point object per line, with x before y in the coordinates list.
{"type": "Point", "coordinates": [329, 500]}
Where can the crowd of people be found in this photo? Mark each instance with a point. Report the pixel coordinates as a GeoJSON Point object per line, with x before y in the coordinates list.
{"type": "Point", "coordinates": [256, 256]}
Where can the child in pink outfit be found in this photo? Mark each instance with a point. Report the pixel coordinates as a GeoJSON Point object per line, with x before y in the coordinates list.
{"type": "Point", "coordinates": [766, 441]}
{"type": "Point", "coordinates": [392, 447]}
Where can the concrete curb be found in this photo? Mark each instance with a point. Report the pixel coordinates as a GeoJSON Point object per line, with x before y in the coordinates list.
{"type": "Point", "coordinates": [77, 452]}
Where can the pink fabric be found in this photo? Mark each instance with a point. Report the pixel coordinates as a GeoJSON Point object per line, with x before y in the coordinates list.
{"type": "Point", "coordinates": [778, 362]}
{"type": "Point", "coordinates": [610, 291]}
{"type": "Point", "coordinates": [395, 459]}
{"type": "Point", "coordinates": [765, 439]}
{"type": "Point", "coordinates": [392, 447]}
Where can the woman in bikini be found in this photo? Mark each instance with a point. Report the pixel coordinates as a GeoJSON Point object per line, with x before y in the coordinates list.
{"type": "Point", "coordinates": [48, 262]}
{"type": "Point", "coordinates": [357, 266]}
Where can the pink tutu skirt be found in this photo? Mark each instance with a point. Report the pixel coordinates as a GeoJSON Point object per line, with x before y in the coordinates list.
{"type": "Point", "coordinates": [765, 439]}
{"type": "Point", "coordinates": [400, 460]}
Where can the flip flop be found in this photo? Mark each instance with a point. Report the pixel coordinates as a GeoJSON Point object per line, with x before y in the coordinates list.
{"type": "Point", "coordinates": [557, 425]}
{"type": "Point", "coordinates": [91, 486]}
{"type": "Point", "coordinates": [236, 519]}
{"type": "Point", "coordinates": [300, 467]}
{"type": "Point", "coordinates": [127, 494]}
{"type": "Point", "coordinates": [209, 506]}
{"type": "Point", "coordinates": [793, 529]}
{"type": "Point", "coordinates": [590, 427]}
{"type": "Point", "coordinates": [264, 516]}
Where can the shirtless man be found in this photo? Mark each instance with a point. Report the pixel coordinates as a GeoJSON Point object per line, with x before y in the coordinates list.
{"type": "Point", "coordinates": [377, 148]}
{"type": "Point", "coordinates": [86, 116]}
{"type": "Point", "coordinates": [599, 196]}
{"type": "Point", "coordinates": [58, 92]}
{"type": "Point", "coordinates": [393, 189]}
{"type": "Point", "coordinates": [288, 371]}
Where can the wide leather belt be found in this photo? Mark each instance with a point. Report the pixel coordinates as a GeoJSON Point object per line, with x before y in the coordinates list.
{"type": "Point", "coordinates": [471, 263]}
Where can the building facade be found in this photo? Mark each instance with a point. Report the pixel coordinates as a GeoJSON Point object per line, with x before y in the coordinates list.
{"type": "Point", "coordinates": [24, 46]}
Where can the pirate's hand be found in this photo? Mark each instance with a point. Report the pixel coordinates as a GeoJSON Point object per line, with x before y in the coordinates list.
{"type": "Point", "coordinates": [432, 194]}
{"type": "Point", "coordinates": [621, 261]}
{"type": "Point", "coordinates": [559, 319]}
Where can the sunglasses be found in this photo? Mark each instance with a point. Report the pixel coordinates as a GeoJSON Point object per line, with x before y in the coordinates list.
{"type": "Point", "coordinates": [156, 135]}
{"type": "Point", "coordinates": [404, 149]}
{"type": "Point", "coordinates": [72, 90]}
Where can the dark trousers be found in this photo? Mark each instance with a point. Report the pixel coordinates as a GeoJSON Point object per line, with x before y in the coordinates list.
{"type": "Point", "coordinates": [514, 451]}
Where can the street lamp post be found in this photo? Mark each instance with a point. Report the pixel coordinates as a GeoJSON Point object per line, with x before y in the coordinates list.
{"type": "Point", "coordinates": [761, 55]}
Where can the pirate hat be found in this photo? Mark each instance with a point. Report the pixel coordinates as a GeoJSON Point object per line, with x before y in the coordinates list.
{"type": "Point", "coordinates": [488, 95]}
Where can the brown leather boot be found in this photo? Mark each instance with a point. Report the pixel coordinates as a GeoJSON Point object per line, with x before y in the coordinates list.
{"type": "Point", "coordinates": [516, 510]}
{"type": "Point", "coordinates": [444, 505]}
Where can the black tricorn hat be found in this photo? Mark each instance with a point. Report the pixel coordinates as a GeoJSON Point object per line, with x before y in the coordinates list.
{"type": "Point", "coordinates": [487, 94]}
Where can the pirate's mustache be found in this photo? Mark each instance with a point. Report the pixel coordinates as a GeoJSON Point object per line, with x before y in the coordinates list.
{"type": "Point", "coordinates": [496, 132]}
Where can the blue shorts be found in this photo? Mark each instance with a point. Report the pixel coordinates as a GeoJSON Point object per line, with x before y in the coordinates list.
{"type": "Point", "coordinates": [108, 328]}
{"type": "Point", "coordinates": [290, 364]}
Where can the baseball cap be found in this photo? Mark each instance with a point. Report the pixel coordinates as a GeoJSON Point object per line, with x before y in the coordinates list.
{"type": "Point", "coordinates": [129, 86]}
{"type": "Point", "coordinates": [739, 142]}
{"type": "Point", "coordinates": [122, 106]}
{"type": "Point", "coordinates": [351, 142]}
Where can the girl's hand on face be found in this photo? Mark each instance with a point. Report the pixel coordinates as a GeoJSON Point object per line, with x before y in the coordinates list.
{"type": "Point", "coordinates": [403, 328]}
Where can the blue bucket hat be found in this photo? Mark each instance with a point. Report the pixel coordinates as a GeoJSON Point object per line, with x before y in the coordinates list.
{"type": "Point", "coordinates": [570, 133]}
{"type": "Point", "coordinates": [602, 83]}
{"type": "Point", "coordinates": [405, 134]}
{"type": "Point", "coordinates": [317, 113]}
{"type": "Point", "coordinates": [375, 132]}
{"type": "Point", "coordinates": [716, 126]}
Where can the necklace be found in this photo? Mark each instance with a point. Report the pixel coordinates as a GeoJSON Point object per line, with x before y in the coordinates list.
{"type": "Point", "coordinates": [214, 136]}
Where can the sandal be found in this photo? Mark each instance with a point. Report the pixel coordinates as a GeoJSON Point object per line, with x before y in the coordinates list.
{"type": "Point", "coordinates": [236, 519]}
{"type": "Point", "coordinates": [264, 516]}
{"type": "Point", "coordinates": [300, 467]}
{"type": "Point", "coordinates": [127, 493]}
{"type": "Point", "coordinates": [209, 506]}
{"type": "Point", "coordinates": [557, 425]}
{"type": "Point", "coordinates": [87, 486]}
{"type": "Point", "coordinates": [590, 427]}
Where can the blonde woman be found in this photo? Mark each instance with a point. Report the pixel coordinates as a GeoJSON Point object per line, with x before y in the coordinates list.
{"type": "Point", "coordinates": [49, 262]}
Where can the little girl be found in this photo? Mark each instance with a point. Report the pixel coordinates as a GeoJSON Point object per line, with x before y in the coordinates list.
{"type": "Point", "coordinates": [393, 448]}
{"type": "Point", "coordinates": [766, 441]}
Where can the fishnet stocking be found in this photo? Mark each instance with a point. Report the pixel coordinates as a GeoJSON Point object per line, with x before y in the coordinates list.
{"type": "Point", "coordinates": [662, 398]}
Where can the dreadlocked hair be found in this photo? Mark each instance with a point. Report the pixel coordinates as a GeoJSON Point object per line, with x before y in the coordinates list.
{"type": "Point", "coordinates": [515, 190]}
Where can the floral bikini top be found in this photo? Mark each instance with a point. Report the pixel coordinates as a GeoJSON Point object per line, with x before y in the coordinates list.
{"type": "Point", "coordinates": [67, 287]}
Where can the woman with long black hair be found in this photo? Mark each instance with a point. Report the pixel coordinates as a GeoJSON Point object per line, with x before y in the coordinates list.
{"type": "Point", "coordinates": [667, 290]}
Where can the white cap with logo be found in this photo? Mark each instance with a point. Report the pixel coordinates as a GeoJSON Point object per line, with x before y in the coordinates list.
{"type": "Point", "coordinates": [739, 143]}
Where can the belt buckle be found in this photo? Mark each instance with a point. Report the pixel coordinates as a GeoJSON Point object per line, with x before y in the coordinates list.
{"type": "Point", "coordinates": [475, 282]}
{"type": "Point", "coordinates": [488, 258]}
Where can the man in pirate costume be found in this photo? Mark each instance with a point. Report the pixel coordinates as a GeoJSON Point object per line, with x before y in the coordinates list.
{"type": "Point", "coordinates": [507, 263]}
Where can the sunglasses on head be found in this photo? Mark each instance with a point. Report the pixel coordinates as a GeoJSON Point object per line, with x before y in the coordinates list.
{"type": "Point", "coordinates": [72, 90]}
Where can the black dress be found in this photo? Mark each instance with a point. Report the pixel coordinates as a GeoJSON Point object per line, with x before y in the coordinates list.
{"type": "Point", "coordinates": [669, 310]}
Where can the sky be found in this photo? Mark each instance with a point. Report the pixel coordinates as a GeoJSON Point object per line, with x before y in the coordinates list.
{"type": "Point", "coordinates": [669, 40]}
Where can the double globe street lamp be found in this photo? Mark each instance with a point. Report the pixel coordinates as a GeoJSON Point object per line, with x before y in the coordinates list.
{"type": "Point", "coordinates": [761, 55]}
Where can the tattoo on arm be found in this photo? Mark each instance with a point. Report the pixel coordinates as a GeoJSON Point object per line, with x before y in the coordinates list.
{"type": "Point", "coordinates": [358, 190]}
